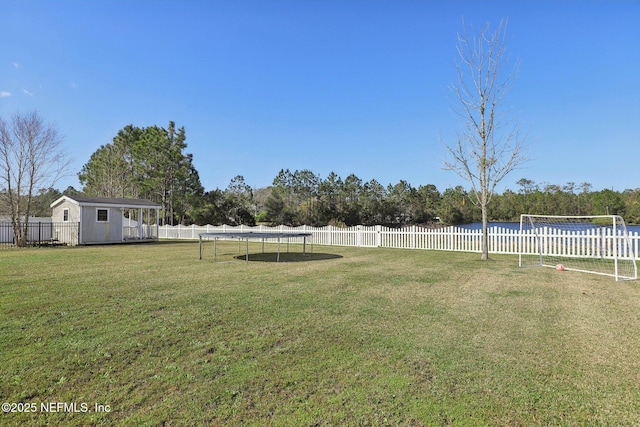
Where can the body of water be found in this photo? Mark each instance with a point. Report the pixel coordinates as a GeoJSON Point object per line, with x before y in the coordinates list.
{"type": "Point", "coordinates": [516, 226]}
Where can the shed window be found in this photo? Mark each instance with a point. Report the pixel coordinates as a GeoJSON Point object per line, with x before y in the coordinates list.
{"type": "Point", "coordinates": [103, 215]}
{"type": "Point", "coordinates": [65, 215]}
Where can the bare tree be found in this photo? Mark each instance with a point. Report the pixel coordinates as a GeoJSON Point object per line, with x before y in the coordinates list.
{"type": "Point", "coordinates": [31, 158]}
{"type": "Point", "coordinates": [489, 146]}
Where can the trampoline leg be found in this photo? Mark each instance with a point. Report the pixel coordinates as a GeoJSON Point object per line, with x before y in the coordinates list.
{"type": "Point", "coordinates": [278, 258]}
{"type": "Point", "coordinates": [215, 249]}
{"type": "Point", "coordinates": [200, 246]}
{"type": "Point", "coordinates": [246, 257]}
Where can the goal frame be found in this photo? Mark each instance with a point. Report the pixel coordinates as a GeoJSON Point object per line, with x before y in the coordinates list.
{"type": "Point", "coordinates": [615, 244]}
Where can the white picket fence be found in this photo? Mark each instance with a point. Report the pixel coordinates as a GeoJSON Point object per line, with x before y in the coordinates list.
{"type": "Point", "coordinates": [501, 240]}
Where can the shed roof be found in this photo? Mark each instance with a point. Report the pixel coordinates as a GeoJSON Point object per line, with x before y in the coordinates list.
{"type": "Point", "coordinates": [107, 202]}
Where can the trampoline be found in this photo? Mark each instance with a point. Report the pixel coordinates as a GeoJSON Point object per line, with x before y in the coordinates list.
{"type": "Point", "coordinates": [248, 235]}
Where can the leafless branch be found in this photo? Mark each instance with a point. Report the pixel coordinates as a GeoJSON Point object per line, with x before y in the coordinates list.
{"type": "Point", "coordinates": [31, 157]}
{"type": "Point", "coordinates": [488, 146]}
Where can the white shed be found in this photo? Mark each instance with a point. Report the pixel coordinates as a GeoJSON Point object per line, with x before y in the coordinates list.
{"type": "Point", "coordinates": [108, 220]}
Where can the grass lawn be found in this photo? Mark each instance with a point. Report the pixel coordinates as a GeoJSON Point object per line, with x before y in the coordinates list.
{"type": "Point", "coordinates": [352, 336]}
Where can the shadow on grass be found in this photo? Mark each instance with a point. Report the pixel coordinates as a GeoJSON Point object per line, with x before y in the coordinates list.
{"type": "Point", "coordinates": [287, 257]}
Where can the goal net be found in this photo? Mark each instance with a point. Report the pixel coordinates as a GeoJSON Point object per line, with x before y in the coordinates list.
{"type": "Point", "coordinates": [590, 244]}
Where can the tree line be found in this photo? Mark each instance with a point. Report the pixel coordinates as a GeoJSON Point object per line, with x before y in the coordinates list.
{"type": "Point", "coordinates": [151, 163]}
{"type": "Point", "coordinates": [303, 197]}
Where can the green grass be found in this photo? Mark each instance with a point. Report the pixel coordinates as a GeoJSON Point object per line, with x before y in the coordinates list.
{"type": "Point", "coordinates": [351, 336]}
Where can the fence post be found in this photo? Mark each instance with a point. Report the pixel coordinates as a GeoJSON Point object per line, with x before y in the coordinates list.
{"type": "Point", "coordinates": [451, 237]}
{"type": "Point", "coordinates": [413, 237]}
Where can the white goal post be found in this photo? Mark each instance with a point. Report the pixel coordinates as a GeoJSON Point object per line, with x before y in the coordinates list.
{"type": "Point", "coordinates": [592, 244]}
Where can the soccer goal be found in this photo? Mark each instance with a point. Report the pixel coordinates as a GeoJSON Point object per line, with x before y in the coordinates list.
{"type": "Point", "coordinates": [590, 244]}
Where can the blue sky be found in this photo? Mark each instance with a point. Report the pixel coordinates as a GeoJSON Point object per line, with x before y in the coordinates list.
{"type": "Point", "coordinates": [345, 86]}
